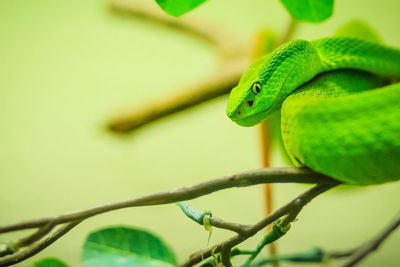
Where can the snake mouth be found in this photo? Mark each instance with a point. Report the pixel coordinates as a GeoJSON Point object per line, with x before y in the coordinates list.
{"type": "Point", "coordinates": [252, 119]}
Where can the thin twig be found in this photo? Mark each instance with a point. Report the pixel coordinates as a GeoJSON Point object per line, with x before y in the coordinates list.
{"type": "Point", "coordinates": [35, 248]}
{"type": "Point", "coordinates": [294, 211]}
{"type": "Point", "coordinates": [243, 179]}
{"type": "Point", "coordinates": [226, 255]}
{"type": "Point", "coordinates": [234, 227]}
{"type": "Point", "coordinates": [367, 248]}
{"type": "Point", "coordinates": [44, 230]}
{"type": "Point", "coordinates": [305, 198]}
{"type": "Point", "coordinates": [198, 217]}
{"type": "Point", "coordinates": [12, 248]}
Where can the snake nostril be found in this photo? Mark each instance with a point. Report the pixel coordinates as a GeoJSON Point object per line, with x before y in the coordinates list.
{"type": "Point", "coordinates": [250, 103]}
{"type": "Point", "coordinates": [238, 112]}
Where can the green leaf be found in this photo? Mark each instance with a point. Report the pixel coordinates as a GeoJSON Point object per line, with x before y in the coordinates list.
{"type": "Point", "coordinates": [309, 10]}
{"type": "Point", "coordinates": [123, 247]}
{"type": "Point", "coordinates": [49, 262]}
{"type": "Point", "coordinates": [178, 7]}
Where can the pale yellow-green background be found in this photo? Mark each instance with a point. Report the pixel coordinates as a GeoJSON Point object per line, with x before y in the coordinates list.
{"type": "Point", "coordinates": [67, 66]}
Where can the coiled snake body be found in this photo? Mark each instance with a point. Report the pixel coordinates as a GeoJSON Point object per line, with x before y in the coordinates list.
{"type": "Point", "coordinates": [340, 114]}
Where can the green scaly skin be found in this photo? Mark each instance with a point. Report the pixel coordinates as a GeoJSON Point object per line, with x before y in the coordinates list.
{"type": "Point", "coordinates": [332, 120]}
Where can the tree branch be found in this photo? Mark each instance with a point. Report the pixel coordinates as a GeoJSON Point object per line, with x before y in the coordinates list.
{"type": "Point", "coordinates": [367, 248]}
{"type": "Point", "coordinates": [243, 179]}
{"type": "Point", "coordinates": [12, 248]}
{"type": "Point", "coordinates": [44, 230]}
{"type": "Point", "coordinates": [318, 255]}
{"type": "Point", "coordinates": [234, 227]}
{"type": "Point", "coordinates": [35, 248]}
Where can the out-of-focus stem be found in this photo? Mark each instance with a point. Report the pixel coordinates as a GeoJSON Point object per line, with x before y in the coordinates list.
{"type": "Point", "coordinates": [290, 31]}
{"type": "Point", "coordinates": [265, 43]}
{"type": "Point", "coordinates": [218, 85]}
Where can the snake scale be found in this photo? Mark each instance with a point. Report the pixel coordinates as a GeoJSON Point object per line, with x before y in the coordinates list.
{"type": "Point", "coordinates": [340, 106]}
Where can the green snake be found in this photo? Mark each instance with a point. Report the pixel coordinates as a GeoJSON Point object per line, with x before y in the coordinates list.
{"type": "Point", "coordinates": [340, 108]}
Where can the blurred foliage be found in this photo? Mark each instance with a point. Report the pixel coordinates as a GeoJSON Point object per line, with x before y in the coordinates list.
{"type": "Point", "coordinates": [359, 28]}
{"type": "Point", "coordinates": [302, 10]}
{"type": "Point", "coordinates": [178, 7]}
{"type": "Point", "coordinates": [49, 262]}
{"type": "Point", "coordinates": [309, 10]}
{"type": "Point", "coordinates": [123, 246]}
{"type": "Point", "coordinates": [315, 255]}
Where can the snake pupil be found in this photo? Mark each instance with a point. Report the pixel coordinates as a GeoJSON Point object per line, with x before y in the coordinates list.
{"type": "Point", "coordinates": [256, 88]}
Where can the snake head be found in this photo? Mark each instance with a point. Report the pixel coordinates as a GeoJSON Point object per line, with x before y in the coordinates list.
{"type": "Point", "coordinates": [269, 80]}
{"type": "Point", "coordinates": [250, 101]}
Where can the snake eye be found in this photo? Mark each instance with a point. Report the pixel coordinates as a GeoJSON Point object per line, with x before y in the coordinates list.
{"type": "Point", "coordinates": [256, 88]}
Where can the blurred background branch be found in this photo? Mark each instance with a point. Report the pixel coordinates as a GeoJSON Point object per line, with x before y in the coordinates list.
{"type": "Point", "coordinates": [233, 55]}
{"type": "Point", "coordinates": [213, 87]}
